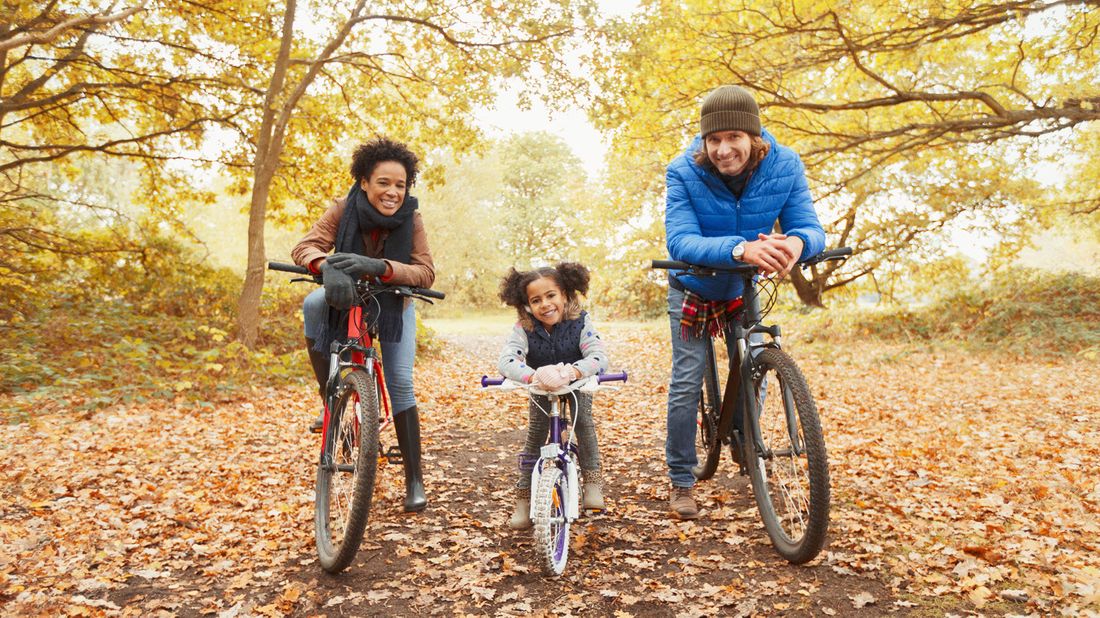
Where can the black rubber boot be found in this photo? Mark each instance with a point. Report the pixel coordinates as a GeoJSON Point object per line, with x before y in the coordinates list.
{"type": "Point", "coordinates": [407, 424]}
{"type": "Point", "coordinates": [320, 363]}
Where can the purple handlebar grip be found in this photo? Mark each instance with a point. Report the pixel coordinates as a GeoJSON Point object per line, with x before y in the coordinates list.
{"type": "Point", "coordinates": [487, 381]}
{"type": "Point", "coordinates": [612, 377]}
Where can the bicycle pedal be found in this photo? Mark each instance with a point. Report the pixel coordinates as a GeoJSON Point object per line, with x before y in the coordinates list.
{"type": "Point", "coordinates": [393, 455]}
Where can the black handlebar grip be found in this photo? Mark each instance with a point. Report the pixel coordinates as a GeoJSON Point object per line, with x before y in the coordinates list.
{"type": "Point", "coordinates": [429, 293]}
{"type": "Point", "coordinates": [825, 256]}
{"type": "Point", "coordinates": [670, 265]}
{"type": "Point", "coordinates": [289, 268]}
{"type": "Point", "coordinates": [835, 253]}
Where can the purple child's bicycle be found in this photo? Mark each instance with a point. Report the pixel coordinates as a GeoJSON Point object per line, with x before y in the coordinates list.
{"type": "Point", "coordinates": [555, 482]}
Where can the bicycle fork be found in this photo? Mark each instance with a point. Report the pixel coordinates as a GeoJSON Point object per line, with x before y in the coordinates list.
{"type": "Point", "coordinates": [563, 455]}
{"type": "Point", "coordinates": [750, 374]}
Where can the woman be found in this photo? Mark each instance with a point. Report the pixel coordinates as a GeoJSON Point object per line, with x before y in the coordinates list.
{"type": "Point", "coordinates": [376, 232]}
{"type": "Point", "coordinates": [724, 195]}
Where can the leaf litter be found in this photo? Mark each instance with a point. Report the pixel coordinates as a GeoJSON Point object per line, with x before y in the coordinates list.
{"type": "Point", "coordinates": [961, 481]}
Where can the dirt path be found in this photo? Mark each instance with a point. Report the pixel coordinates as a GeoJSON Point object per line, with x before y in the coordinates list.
{"type": "Point", "coordinates": [170, 510]}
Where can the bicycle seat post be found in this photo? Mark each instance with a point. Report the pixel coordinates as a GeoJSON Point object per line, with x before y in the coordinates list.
{"type": "Point", "coordinates": [555, 419]}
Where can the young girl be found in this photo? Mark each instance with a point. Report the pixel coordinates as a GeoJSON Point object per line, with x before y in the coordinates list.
{"type": "Point", "coordinates": [552, 345]}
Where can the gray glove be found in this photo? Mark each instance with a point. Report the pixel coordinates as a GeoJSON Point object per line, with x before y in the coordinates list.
{"type": "Point", "coordinates": [339, 287]}
{"type": "Point", "coordinates": [358, 266]}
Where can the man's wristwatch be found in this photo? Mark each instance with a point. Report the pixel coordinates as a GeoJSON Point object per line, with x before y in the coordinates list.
{"type": "Point", "coordinates": [739, 251]}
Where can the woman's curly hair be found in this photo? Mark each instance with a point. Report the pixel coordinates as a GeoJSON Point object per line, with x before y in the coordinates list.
{"type": "Point", "coordinates": [571, 277]}
{"type": "Point", "coordinates": [367, 156]}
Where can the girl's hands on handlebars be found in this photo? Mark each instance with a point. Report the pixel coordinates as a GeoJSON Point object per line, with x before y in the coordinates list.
{"type": "Point", "coordinates": [773, 253]}
{"type": "Point", "coordinates": [553, 377]}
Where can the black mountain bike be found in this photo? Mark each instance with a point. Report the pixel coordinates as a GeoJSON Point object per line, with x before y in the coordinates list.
{"type": "Point", "coordinates": [768, 418]}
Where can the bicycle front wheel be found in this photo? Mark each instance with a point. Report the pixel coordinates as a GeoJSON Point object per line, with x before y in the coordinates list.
{"type": "Point", "coordinates": [789, 470]}
{"type": "Point", "coordinates": [551, 524]}
{"type": "Point", "coordinates": [345, 474]}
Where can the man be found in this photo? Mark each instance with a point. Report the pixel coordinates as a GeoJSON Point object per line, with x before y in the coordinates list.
{"type": "Point", "coordinates": [724, 195]}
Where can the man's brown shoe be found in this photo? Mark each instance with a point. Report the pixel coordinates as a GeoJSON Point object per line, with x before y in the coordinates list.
{"type": "Point", "coordinates": [682, 504]}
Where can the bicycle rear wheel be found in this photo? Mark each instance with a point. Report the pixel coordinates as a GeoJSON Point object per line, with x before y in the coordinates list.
{"type": "Point", "coordinates": [551, 525]}
{"type": "Point", "coordinates": [708, 447]}
{"type": "Point", "coordinates": [790, 477]}
{"type": "Point", "coordinates": [345, 474]}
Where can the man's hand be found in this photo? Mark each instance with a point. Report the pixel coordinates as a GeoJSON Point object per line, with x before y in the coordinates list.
{"type": "Point", "coordinates": [773, 253]}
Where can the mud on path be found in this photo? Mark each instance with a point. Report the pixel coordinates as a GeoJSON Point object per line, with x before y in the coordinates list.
{"type": "Point", "coordinates": [165, 510]}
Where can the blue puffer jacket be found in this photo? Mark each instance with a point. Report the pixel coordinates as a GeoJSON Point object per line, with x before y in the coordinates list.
{"type": "Point", "coordinates": [703, 220]}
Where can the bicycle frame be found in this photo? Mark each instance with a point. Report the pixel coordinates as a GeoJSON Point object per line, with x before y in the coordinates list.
{"type": "Point", "coordinates": [749, 324]}
{"type": "Point", "coordinates": [563, 452]}
{"type": "Point", "coordinates": [359, 347]}
{"type": "Point", "coordinates": [559, 448]}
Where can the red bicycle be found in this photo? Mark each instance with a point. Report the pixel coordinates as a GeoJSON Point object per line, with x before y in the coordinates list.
{"type": "Point", "coordinates": [356, 411]}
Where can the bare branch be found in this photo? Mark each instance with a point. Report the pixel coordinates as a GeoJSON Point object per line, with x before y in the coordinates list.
{"type": "Point", "coordinates": [99, 19]}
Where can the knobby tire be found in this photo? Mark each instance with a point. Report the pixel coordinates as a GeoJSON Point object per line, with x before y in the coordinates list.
{"type": "Point", "coordinates": [791, 489]}
{"type": "Point", "coordinates": [343, 497]}
{"type": "Point", "coordinates": [708, 447]}
{"type": "Point", "coordinates": [551, 527]}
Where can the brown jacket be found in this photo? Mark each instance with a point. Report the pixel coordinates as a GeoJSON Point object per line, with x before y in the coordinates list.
{"type": "Point", "coordinates": [420, 272]}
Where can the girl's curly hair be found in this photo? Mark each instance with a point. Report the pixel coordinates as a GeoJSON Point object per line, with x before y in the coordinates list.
{"type": "Point", "coordinates": [571, 277]}
{"type": "Point", "coordinates": [367, 156]}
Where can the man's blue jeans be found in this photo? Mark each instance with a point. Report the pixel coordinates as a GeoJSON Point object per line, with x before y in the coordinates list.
{"type": "Point", "coordinates": [689, 360]}
{"type": "Point", "coordinates": [397, 357]}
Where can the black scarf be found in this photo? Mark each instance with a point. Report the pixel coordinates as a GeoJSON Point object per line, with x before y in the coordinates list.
{"type": "Point", "coordinates": [361, 218]}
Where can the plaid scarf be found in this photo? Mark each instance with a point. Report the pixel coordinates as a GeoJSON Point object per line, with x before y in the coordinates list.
{"type": "Point", "coordinates": [712, 317]}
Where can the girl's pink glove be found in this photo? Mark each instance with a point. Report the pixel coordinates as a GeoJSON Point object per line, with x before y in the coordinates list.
{"type": "Point", "coordinates": [550, 377]}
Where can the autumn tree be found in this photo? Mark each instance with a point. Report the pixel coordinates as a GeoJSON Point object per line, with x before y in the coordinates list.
{"type": "Point", "coordinates": [909, 118]}
{"type": "Point", "coordinates": [543, 205]}
{"type": "Point", "coordinates": [78, 84]}
{"type": "Point", "coordinates": [414, 71]}
{"type": "Point", "coordinates": [466, 226]}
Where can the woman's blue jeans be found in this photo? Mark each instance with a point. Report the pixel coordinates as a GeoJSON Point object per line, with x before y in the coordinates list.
{"type": "Point", "coordinates": [397, 357]}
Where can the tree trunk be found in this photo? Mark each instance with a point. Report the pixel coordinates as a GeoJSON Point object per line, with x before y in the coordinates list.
{"type": "Point", "coordinates": [269, 146]}
{"type": "Point", "coordinates": [809, 290]}
{"type": "Point", "coordinates": [248, 307]}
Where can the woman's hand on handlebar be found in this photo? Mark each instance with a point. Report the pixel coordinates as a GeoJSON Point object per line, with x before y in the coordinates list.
{"type": "Point", "coordinates": [358, 266]}
{"type": "Point", "coordinates": [339, 287]}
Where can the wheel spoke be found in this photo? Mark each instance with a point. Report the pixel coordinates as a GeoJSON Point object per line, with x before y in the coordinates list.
{"type": "Point", "coordinates": [790, 479]}
{"type": "Point", "coordinates": [344, 487]}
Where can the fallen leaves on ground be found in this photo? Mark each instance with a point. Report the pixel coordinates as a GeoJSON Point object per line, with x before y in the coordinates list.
{"type": "Point", "coordinates": [966, 482]}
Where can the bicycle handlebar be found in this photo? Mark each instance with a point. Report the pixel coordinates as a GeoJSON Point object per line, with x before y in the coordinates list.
{"type": "Point", "coordinates": [840, 253]}
{"type": "Point", "coordinates": [677, 265]}
{"type": "Point", "coordinates": [600, 378]}
{"type": "Point", "coordinates": [302, 270]}
{"type": "Point", "coordinates": [289, 268]}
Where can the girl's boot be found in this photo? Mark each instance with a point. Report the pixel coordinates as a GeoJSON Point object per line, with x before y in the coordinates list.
{"type": "Point", "coordinates": [521, 517]}
{"type": "Point", "coordinates": [592, 496]}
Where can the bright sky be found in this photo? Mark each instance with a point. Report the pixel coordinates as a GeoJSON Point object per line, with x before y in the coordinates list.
{"type": "Point", "coordinates": [571, 125]}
